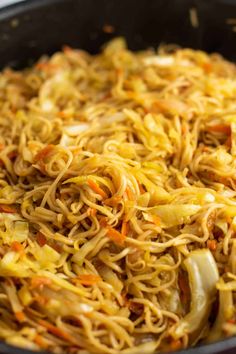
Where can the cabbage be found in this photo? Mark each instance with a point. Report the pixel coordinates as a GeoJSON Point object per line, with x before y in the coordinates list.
{"type": "Point", "coordinates": [46, 256]}
{"type": "Point", "coordinates": [172, 215]}
{"type": "Point", "coordinates": [22, 342]}
{"type": "Point", "coordinates": [203, 276]}
{"type": "Point", "coordinates": [13, 228]}
{"type": "Point", "coordinates": [25, 296]}
{"type": "Point", "coordinates": [11, 265]}
{"type": "Point", "coordinates": [114, 46]}
{"type": "Point", "coordinates": [225, 312]}
{"type": "Point", "coordinates": [157, 193]}
{"type": "Point", "coordinates": [158, 60]}
{"type": "Point", "coordinates": [230, 210]}
{"type": "Point", "coordinates": [75, 130]}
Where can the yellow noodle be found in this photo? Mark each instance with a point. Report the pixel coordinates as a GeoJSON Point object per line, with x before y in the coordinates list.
{"type": "Point", "coordinates": [117, 172]}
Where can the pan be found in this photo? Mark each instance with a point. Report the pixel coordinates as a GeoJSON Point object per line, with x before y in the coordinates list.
{"type": "Point", "coordinates": [31, 28]}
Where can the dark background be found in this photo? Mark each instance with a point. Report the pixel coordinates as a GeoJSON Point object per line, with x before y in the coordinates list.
{"type": "Point", "coordinates": [34, 27]}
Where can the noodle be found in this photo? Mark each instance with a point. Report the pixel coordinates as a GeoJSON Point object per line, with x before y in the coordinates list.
{"type": "Point", "coordinates": [118, 201]}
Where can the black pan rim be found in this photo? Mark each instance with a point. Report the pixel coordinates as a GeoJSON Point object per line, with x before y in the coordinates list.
{"type": "Point", "coordinates": [11, 11]}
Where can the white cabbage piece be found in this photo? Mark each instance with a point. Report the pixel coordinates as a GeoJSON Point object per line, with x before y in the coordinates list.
{"type": "Point", "coordinates": [203, 275]}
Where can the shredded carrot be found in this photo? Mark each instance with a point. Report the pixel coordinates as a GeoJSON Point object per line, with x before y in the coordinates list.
{"type": "Point", "coordinates": [129, 193]}
{"type": "Point", "coordinates": [124, 228]}
{"type": "Point", "coordinates": [108, 28]}
{"type": "Point", "coordinates": [46, 66]}
{"type": "Point", "coordinates": [2, 147]}
{"type": "Point", "coordinates": [37, 282]}
{"type": "Point", "coordinates": [228, 219]}
{"type": "Point", "coordinates": [220, 128]}
{"type": "Point", "coordinates": [55, 330]}
{"type": "Point", "coordinates": [20, 316]}
{"type": "Point", "coordinates": [95, 187]}
{"type": "Point", "coordinates": [40, 299]}
{"type": "Point", "coordinates": [4, 208]}
{"type": "Point", "coordinates": [17, 247]}
{"type": "Point", "coordinates": [41, 239]}
{"type": "Point", "coordinates": [89, 279]}
{"type": "Point", "coordinates": [207, 67]}
{"type": "Point", "coordinates": [156, 220]}
{"type": "Point", "coordinates": [56, 246]}
{"type": "Point", "coordinates": [184, 129]}
{"type": "Point", "coordinates": [228, 141]}
{"type": "Point", "coordinates": [205, 148]}
{"type": "Point", "coordinates": [44, 153]}
{"type": "Point", "coordinates": [67, 49]}
{"type": "Point", "coordinates": [39, 340]}
{"type": "Point", "coordinates": [63, 115]}
{"type": "Point", "coordinates": [113, 201]}
{"type": "Point", "coordinates": [232, 321]}
{"type": "Point", "coordinates": [105, 97]}
{"type": "Point", "coordinates": [103, 221]}
{"type": "Point", "coordinates": [92, 211]}
{"type": "Point", "coordinates": [116, 236]}
{"type": "Point", "coordinates": [119, 72]}
{"type": "Point", "coordinates": [212, 244]}
{"type": "Point", "coordinates": [176, 344]}
{"type": "Point", "coordinates": [173, 106]}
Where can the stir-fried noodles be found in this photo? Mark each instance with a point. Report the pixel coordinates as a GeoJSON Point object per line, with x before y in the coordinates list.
{"type": "Point", "coordinates": [118, 201]}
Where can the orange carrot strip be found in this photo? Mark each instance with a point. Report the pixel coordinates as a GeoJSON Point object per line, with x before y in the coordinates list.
{"type": "Point", "coordinates": [4, 208]}
{"type": "Point", "coordinates": [95, 187]}
{"type": "Point", "coordinates": [228, 142]}
{"type": "Point", "coordinates": [103, 221]}
{"type": "Point", "coordinates": [173, 106]}
{"type": "Point", "coordinates": [156, 220]}
{"type": "Point", "coordinates": [89, 279]}
{"type": "Point", "coordinates": [124, 228]}
{"type": "Point", "coordinates": [39, 340]}
{"type": "Point", "coordinates": [40, 281]}
{"type": "Point", "coordinates": [129, 193]}
{"type": "Point", "coordinates": [176, 344]}
{"type": "Point", "coordinates": [116, 236]}
{"type": "Point", "coordinates": [91, 212]}
{"type": "Point", "coordinates": [55, 330]}
{"type": "Point", "coordinates": [220, 128]}
{"type": "Point", "coordinates": [232, 321]}
{"type": "Point", "coordinates": [207, 67]}
{"type": "Point", "coordinates": [64, 115]}
{"type": "Point", "coordinates": [113, 201]}
{"type": "Point", "coordinates": [20, 316]}
{"type": "Point", "coordinates": [41, 300]}
{"type": "Point", "coordinates": [45, 66]}
{"type": "Point", "coordinates": [108, 28]}
{"type": "Point", "coordinates": [45, 152]}
{"type": "Point", "coordinates": [41, 239]}
{"type": "Point", "coordinates": [212, 244]}
{"type": "Point", "coordinates": [67, 49]}
{"type": "Point", "coordinates": [17, 247]}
